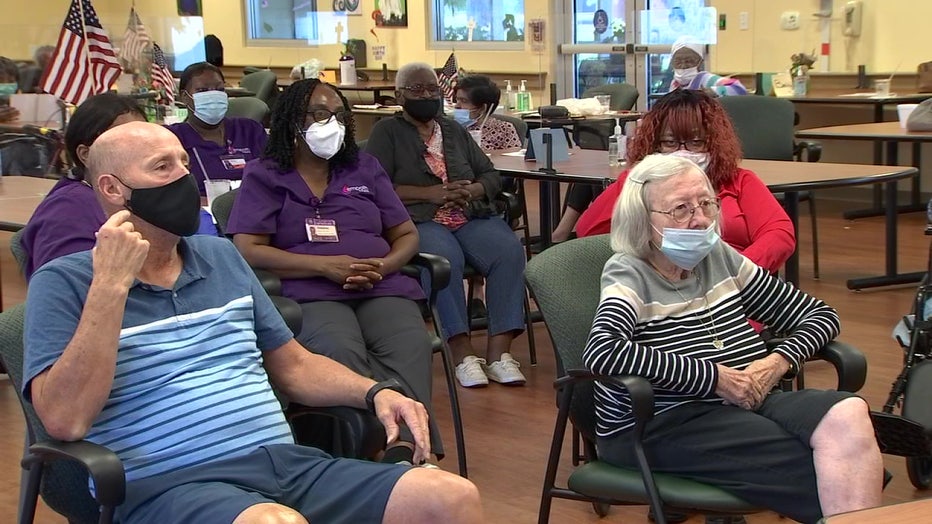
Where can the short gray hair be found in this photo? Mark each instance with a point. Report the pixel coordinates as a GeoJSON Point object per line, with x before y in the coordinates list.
{"type": "Point", "coordinates": [631, 227]}
{"type": "Point", "coordinates": [405, 72]}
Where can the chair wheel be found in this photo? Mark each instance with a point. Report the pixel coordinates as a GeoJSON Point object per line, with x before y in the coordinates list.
{"type": "Point", "coordinates": [920, 471]}
{"type": "Point", "coordinates": [601, 508]}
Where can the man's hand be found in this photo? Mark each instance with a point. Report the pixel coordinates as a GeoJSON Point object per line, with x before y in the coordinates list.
{"type": "Point", "coordinates": [8, 114]}
{"type": "Point", "coordinates": [739, 388]}
{"type": "Point", "coordinates": [120, 251]}
{"type": "Point", "coordinates": [393, 408]}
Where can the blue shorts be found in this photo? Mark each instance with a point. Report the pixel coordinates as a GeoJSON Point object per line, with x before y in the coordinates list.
{"type": "Point", "coordinates": [321, 488]}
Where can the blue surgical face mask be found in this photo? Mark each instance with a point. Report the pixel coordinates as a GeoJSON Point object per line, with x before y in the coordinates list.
{"type": "Point", "coordinates": [210, 106]}
{"type": "Point", "coordinates": [687, 247]}
{"type": "Point", "coordinates": [8, 89]}
{"type": "Point", "coordinates": [462, 116]}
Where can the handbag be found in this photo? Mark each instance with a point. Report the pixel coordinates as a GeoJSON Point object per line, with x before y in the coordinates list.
{"type": "Point", "coordinates": [924, 77]}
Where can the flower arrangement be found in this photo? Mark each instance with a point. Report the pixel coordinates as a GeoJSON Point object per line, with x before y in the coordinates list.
{"type": "Point", "coordinates": [802, 60]}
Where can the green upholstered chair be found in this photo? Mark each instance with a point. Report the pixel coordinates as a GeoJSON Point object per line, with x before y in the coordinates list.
{"type": "Point", "coordinates": [765, 127]}
{"type": "Point", "coordinates": [565, 280]}
{"type": "Point", "coordinates": [263, 83]}
{"type": "Point", "coordinates": [248, 107]}
{"type": "Point", "coordinates": [19, 254]}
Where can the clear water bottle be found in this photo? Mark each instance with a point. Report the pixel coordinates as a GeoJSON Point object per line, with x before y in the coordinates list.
{"type": "Point", "coordinates": [616, 147]}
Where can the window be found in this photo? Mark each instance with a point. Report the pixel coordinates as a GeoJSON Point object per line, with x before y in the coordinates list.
{"type": "Point", "coordinates": [275, 21]}
{"type": "Point", "coordinates": [495, 24]}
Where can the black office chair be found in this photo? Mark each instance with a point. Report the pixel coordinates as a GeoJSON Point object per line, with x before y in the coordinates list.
{"type": "Point", "coordinates": [439, 270]}
{"type": "Point", "coordinates": [566, 285]}
{"type": "Point", "coordinates": [765, 126]}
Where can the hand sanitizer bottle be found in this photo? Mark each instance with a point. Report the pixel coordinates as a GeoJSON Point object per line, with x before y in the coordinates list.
{"type": "Point", "coordinates": [524, 98]}
{"type": "Point", "coordinates": [509, 96]}
{"type": "Point", "coordinates": [616, 146]}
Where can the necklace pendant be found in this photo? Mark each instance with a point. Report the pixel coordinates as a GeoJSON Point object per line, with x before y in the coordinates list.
{"type": "Point", "coordinates": [718, 343]}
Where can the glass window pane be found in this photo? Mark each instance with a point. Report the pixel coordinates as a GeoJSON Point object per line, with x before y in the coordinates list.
{"type": "Point", "coordinates": [282, 19]}
{"type": "Point", "coordinates": [489, 20]}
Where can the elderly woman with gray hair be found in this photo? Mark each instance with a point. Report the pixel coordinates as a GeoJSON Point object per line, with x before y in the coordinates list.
{"type": "Point", "coordinates": [674, 309]}
{"type": "Point", "coordinates": [449, 187]}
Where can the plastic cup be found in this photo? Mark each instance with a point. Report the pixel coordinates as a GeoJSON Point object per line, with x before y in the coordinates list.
{"type": "Point", "coordinates": [215, 188]}
{"type": "Point", "coordinates": [605, 101]}
{"type": "Point", "coordinates": [476, 135]}
{"type": "Point", "coordinates": [903, 111]}
{"type": "Point", "coordinates": [882, 87]}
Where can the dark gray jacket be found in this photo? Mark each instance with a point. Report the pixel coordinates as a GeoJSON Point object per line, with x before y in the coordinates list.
{"type": "Point", "coordinates": [400, 150]}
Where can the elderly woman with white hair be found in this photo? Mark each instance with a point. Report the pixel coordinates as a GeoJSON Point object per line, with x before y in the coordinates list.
{"type": "Point", "coordinates": [686, 60]}
{"type": "Point", "coordinates": [449, 187]}
{"type": "Point", "coordinates": [674, 309]}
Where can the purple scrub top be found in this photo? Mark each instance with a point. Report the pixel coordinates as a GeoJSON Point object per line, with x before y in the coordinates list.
{"type": "Point", "coordinates": [63, 223]}
{"type": "Point", "coordinates": [359, 198]}
{"type": "Point", "coordinates": [245, 139]}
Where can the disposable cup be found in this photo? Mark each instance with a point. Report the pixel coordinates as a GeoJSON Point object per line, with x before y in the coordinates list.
{"type": "Point", "coordinates": [903, 111]}
{"type": "Point", "coordinates": [215, 188]}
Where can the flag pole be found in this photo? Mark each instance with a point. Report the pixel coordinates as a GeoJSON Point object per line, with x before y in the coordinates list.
{"type": "Point", "coordinates": [87, 49]}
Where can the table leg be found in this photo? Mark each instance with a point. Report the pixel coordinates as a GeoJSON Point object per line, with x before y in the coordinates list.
{"type": "Point", "coordinates": [877, 209]}
{"type": "Point", "coordinates": [791, 267]}
{"type": "Point", "coordinates": [546, 212]}
{"type": "Point", "coordinates": [891, 277]}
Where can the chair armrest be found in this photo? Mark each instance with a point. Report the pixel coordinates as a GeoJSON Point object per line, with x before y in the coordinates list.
{"type": "Point", "coordinates": [513, 208]}
{"type": "Point", "coordinates": [362, 434]}
{"type": "Point", "coordinates": [437, 267]}
{"type": "Point", "coordinates": [290, 312]}
{"type": "Point", "coordinates": [813, 151]}
{"type": "Point", "coordinates": [270, 281]}
{"type": "Point", "coordinates": [850, 364]}
{"type": "Point", "coordinates": [642, 393]}
{"type": "Point", "coordinates": [103, 466]}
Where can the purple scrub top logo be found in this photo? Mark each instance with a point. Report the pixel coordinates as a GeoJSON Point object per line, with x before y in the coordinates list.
{"type": "Point", "coordinates": [355, 189]}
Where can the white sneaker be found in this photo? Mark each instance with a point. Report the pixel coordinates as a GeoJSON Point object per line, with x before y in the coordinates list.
{"type": "Point", "coordinates": [505, 371]}
{"type": "Point", "coordinates": [470, 374]}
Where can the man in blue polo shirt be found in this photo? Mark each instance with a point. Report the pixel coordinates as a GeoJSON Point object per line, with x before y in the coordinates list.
{"type": "Point", "coordinates": [163, 349]}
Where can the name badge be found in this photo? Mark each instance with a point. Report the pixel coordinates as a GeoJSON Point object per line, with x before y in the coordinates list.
{"type": "Point", "coordinates": [321, 230]}
{"type": "Point", "coordinates": [233, 162]}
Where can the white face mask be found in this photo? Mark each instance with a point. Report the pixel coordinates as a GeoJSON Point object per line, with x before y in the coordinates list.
{"type": "Point", "coordinates": [700, 159]}
{"type": "Point", "coordinates": [325, 140]}
{"type": "Point", "coordinates": [684, 76]}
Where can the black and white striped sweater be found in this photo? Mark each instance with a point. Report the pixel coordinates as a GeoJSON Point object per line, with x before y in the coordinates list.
{"type": "Point", "coordinates": [648, 326]}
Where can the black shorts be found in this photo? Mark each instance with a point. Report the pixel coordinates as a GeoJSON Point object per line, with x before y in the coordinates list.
{"type": "Point", "coordinates": [321, 488]}
{"type": "Point", "coordinates": [763, 457]}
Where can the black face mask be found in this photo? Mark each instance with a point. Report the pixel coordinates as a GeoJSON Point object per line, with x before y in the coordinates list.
{"type": "Point", "coordinates": [174, 207]}
{"type": "Point", "coordinates": [422, 109]}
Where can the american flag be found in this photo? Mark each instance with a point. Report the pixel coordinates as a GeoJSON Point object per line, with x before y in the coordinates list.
{"type": "Point", "coordinates": [162, 74]}
{"type": "Point", "coordinates": [447, 77]}
{"type": "Point", "coordinates": [84, 63]}
{"type": "Point", "coordinates": [135, 39]}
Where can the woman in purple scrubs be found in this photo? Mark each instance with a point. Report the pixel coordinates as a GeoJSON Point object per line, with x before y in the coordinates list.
{"type": "Point", "coordinates": [216, 144]}
{"type": "Point", "coordinates": [68, 217]}
{"type": "Point", "coordinates": [325, 217]}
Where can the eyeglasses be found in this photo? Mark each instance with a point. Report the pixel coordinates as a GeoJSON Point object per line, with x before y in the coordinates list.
{"type": "Point", "coordinates": [696, 145]}
{"type": "Point", "coordinates": [322, 116]}
{"type": "Point", "coordinates": [684, 212]}
{"type": "Point", "coordinates": [422, 89]}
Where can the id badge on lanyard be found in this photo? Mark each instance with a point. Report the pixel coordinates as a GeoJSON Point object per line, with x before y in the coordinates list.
{"type": "Point", "coordinates": [234, 162]}
{"type": "Point", "coordinates": [321, 230]}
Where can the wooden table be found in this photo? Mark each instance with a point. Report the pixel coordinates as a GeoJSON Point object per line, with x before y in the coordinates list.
{"type": "Point", "coordinates": [914, 511]}
{"type": "Point", "coordinates": [879, 132]}
{"type": "Point", "coordinates": [19, 196]}
{"type": "Point", "coordinates": [790, 178]}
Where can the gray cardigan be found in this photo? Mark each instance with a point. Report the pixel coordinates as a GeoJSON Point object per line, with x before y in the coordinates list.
{"type": "Point", "coordinates": [400, 150]}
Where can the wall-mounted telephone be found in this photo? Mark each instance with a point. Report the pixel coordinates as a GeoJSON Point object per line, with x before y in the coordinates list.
{"type": "Point", "coordinates": [851, 21]}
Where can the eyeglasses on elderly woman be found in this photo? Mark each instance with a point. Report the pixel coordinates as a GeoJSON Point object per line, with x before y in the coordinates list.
{"type": "Point", "coordinates": [684, 212]}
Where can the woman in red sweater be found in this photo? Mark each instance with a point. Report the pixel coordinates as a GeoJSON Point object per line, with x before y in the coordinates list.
{"type": "Point", "coordinates": [694, 125]}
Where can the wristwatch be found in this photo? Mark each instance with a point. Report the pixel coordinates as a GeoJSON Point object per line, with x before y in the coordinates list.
{"type": "Point", "coordinates": [391, 384]}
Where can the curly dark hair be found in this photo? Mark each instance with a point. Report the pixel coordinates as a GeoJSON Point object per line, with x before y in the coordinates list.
{"type": "Point", "coordinates": [288, 117]}
{"type": "Point", "coordinates": [683, 112]}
